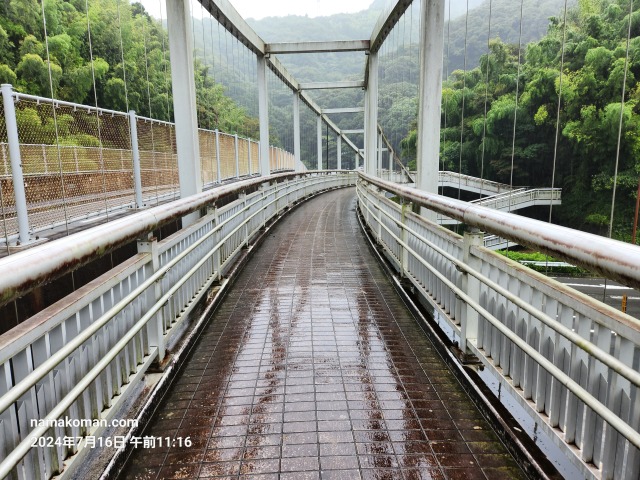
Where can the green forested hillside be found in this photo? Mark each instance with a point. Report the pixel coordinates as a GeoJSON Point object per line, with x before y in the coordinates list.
{"type": "Point", "coordinates": [503, 17]}
{"type": "Point", "coordinates": [130, 59]}
{"type": "Point", "coordinates": [590, 114]}
{"type": "Point", "coordinates": [398, 64]}
{"type": "Point", "coordinates": [130, 66]}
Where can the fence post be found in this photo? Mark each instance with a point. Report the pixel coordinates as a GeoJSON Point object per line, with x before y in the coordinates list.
{"type": "Point", "coordinates": [245, 228]}
{"type": "Point", "coordinates": [471, 286]}
{"type": "Point", "coordinates": [218, 156]}
{"type": "Point", "coordinates": [137, 175]}
{"type": "Point", "coordinates": [249, 148]}
{"type": "Point", "coordinates": [156, 329]}
{"type": "Point", "coordinates": [16, 165]}
{"type": "Point", "coordinates": [235, 139]}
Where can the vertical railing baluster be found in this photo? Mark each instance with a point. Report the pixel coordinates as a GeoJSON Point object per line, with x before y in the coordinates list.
{"type": "Point", "coordinates": [157, 328]}
{"type": "Point", "coordinates": [20, 195]}
{"type": "Point", "coordinates": [471, 286]}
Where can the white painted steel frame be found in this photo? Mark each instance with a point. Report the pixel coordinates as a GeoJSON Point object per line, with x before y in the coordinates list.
{"type": "Point", "coordinates": [317, 46]}
{"type": "Point", "coordinates": [87, 362]}
{"type": "Point", "coordinates": [569, 360]}
{"type": "Point", "coordinates": [230, 19]}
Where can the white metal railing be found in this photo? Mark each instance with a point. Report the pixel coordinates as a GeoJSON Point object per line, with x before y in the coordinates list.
{"type": "Point", "coordinates": [572, 362]}
{"type": "Point", "coordinates": [494, 242]}
{"type": "Point", "coordinates": [467, 182]}
{"type": "Point", "coordinates": [81, 357]}
{"type": "Point", "coordinates": [515, 200]}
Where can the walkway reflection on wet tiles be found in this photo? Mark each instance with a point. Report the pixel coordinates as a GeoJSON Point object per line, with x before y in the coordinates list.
{"type": "Point", "coordinates": [313, 368]}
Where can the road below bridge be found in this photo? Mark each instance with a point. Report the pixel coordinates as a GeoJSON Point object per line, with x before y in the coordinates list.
{"type": "Point", "coordinates": [609, 292]}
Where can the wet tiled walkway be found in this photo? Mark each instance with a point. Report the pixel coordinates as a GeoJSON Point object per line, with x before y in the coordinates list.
{"type": "Point", "coordinates": [313, 368]}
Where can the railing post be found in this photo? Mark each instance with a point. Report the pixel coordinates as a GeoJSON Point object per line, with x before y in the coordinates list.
{"type": "Point", "coordinates": [137, 176]}
{"type": "Point", "coordinates": [216, 239]}
{"type": "Point", "coordinates": [319, 135]}
{"type": "Point", "coordinates": [471, 286]}
{"type": "Point", "coordinates": [155, 329]}
{"type": "Point", "coordinates": [13, 140]}
{"type": "Point", "coordinates": [404, 236]}
{"type": "Point", "coordinates": [245, 228]}
{"type": "Point", "coordinates": [379, 219]}
{"type": "Point", "coordinates": [339, 147]}
{"type": "Point", "coordinates": [263, 188]}
{"type": "Point", "coordinates": [249, 159]}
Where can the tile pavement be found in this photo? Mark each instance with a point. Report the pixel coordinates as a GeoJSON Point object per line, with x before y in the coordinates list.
{"type": "Point", "coordinates": [312, 368]}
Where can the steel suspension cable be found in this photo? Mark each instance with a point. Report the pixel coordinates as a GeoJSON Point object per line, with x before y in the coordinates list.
{"type": "Point", "coordinates": [622, 105]}
{"type": "Point", "coordinates": [464, 86]}
{"type": "Point", "coordinates": [124, 66]}
{"type": "Point", "coordinates": [153, 140]}
{"type": "Point", "coordinates": [98, 124]}
{"type": "Point", "coordinates": [56, 129]}
{"type": "Point", "coordinates": [558, 110]}
{"type": "Point", "coordinates": [444, 104]}
{"type": "Point", "coordinates": [619, 140]}
{"type": "Point", "coordinates": [405, 53]}
{"type": "Point", "coordinates": [164, 62]}
{"type": "Point", "coordinates": [515, 109]}
{"type": "Point", "coordinates": [486, 101]}
{"type": "Point", "coordinates": [204, 53]}
{"type": "Point", "coordinates": [213, 59]}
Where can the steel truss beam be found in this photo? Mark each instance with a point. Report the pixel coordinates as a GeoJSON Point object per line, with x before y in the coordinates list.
{"type": "Point", "coordinates": [318, 47]}
{"type": "Point", "coordinates": [330, 85]}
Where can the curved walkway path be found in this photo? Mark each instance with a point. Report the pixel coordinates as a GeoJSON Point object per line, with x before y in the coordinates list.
{"type": "Point", "coordinates": [312, 367]}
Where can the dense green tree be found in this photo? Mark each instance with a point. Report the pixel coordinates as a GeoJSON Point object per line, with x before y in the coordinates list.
{"type": "Point", "coordinates": [6, 48]}
{"type": "Point", "coordinates": [589, 89]}
{"type": "Point", "coordinates": [114, 52]}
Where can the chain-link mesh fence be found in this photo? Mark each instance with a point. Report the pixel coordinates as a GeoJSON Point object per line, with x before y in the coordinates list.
{"type": "Point", "coordinates": [8, 224]}
{"type": "Point", "coordinates": [158, 160]}
{"type": "Point", "coordinates": [77, 162]}
{"type": "Point", "coordinates": [255, 158]}
{"type": "Point", "coordinates": [243, 156]}
{"type": "Point", "coordinates": [227, 156]}
{"type": "Point", "coordinates": [208, 161]}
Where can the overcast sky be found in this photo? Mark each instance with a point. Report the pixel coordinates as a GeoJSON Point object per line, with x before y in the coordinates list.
{"type": "Point", "coordinates": [273, 8]}
{"type": "Point", "coordinates": [314, 8]}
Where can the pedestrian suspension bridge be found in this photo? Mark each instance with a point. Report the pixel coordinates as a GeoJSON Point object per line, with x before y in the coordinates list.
{"type": "Point", "coordinates": [257, 312]}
